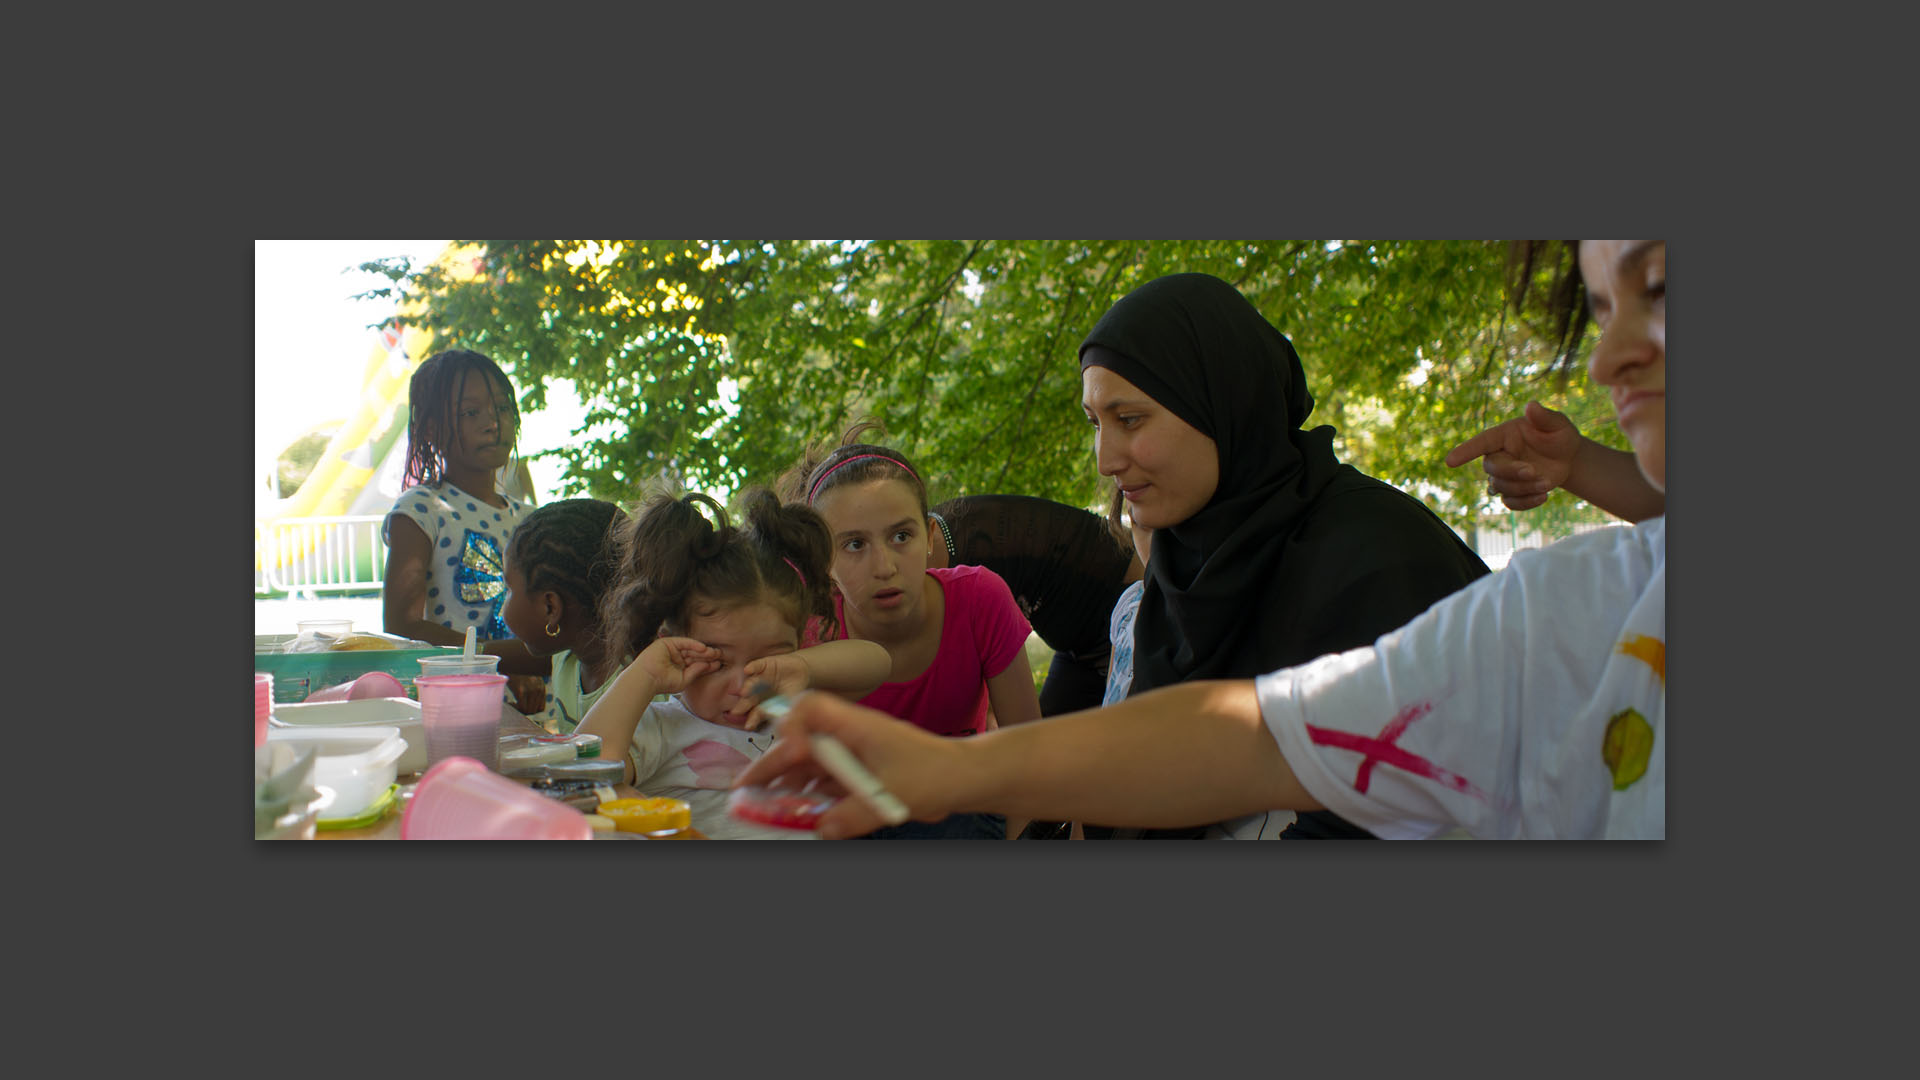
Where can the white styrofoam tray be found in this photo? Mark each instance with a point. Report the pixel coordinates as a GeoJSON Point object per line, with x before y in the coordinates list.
{"type": "Point", "coordinates": [403, 713]}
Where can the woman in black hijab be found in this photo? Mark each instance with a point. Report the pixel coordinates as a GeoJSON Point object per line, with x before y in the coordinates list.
{"type": "Point", "coordinates": [1290, 555]}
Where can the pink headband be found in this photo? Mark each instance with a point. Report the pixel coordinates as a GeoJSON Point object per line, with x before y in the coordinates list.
{"type": "Point", "coordinates": [796, 569]}
{"type": "Point", "coordinates": [815, 490]}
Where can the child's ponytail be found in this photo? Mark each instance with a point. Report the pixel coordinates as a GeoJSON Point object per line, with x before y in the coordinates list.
{"type": "Point", "coordinates": [795, 555]}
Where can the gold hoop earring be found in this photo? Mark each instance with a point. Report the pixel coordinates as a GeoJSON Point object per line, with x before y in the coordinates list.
{"type": "Point", "coordinates": [552, 631]}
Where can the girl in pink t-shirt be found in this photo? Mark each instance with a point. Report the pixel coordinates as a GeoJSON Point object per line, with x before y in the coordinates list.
{"type": "Point", "coordinates": [957, 638]}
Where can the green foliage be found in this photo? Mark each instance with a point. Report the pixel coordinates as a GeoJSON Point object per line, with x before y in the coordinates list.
{"type": "Point", "coordinates": [715, 362]}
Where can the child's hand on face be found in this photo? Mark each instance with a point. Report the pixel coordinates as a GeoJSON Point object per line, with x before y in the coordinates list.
{"type": "Point", "coordinates": [673, 662]}
{"type": "Point", "coordinates": [770, 675]}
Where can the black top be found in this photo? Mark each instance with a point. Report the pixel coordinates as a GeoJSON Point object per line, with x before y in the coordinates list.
{"type": "Point", "coordinates": [1296, 555]}
{"type": "Point", "coordinates": [1065, 568]}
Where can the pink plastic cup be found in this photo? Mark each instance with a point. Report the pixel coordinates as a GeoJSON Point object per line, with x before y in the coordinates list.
{"type": "Point", "coordinates": [262, 706]}
{"type": "Point", "coordinates": [460, 799]}
{"type": "Point", "coordinates": [461, 715]}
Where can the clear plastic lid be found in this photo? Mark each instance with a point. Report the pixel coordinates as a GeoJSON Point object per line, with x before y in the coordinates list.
{"type": "Point", "coordinates": [782, 808]}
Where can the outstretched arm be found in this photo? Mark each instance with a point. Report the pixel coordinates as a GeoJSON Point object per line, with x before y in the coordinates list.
{"type": "Point", "coordinates": [851, 667]}
{"type": "Point", "coordinates": [1527, 457]}
{"type": "Point", "coordinates": [1179, 755]}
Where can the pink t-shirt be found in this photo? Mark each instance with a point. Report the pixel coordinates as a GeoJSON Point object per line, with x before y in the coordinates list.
{"type": "Point", "coordinates": [981, 634]}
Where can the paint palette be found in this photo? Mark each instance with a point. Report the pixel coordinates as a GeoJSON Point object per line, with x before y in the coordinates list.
{"type": "Point", "coordinates": [781, 808]}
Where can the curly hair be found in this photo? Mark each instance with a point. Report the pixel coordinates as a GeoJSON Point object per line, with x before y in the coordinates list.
{"type": "Point", "coordinates": [1563, 302]}
{"type": "Point", "coordinates": [567, 547]}
{"type": "Point", "coordinates": [821, 469]}
{"type": "Point", "coordinates": [433, 397]}
{"type": "Point", "coordinates": [682, 553]}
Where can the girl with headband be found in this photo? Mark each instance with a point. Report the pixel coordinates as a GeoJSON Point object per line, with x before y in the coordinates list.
{"type": "Point", "coordinates": [956, 636]}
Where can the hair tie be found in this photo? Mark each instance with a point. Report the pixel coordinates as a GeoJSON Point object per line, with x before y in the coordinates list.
{"type": "Point", "coordinates": [815, 489]}
{"type": "Point", "coordinates": [796, 570]}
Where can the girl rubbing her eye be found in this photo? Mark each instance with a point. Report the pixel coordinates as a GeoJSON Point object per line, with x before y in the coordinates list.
{"type": "Point", "coordinates": [708, 611]}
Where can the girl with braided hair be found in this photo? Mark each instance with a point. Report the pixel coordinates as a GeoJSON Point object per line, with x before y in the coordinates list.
{"type": "Point", "coordinates": [710, 612]}
{"type": "Point", "coordinates": [447, 533]}
{"type": "Point", "coordinates": [560, 565]}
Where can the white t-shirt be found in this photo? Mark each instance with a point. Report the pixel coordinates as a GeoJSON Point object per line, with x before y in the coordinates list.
{"type": "Point", "coordinates": [1531, 704]}
{"type": "Point", "coordinates": [679, 755]}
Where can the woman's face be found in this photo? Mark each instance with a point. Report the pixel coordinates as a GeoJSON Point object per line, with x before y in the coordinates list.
{"type": "Point", "coordinates": [879, 549]}
{"type": "Point", "coordinates": [1166, 468]}
{"type": "Point", "coordinates": [1627, 287]}
{"type": "Point", "coordinates": [740, 634]}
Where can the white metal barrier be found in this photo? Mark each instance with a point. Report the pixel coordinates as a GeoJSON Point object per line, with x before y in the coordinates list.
{"type": "Point", "coordinates": [314, 555]}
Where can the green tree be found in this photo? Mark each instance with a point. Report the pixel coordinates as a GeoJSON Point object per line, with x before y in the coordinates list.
{"type": "Point", "coordinates": [715, 362]}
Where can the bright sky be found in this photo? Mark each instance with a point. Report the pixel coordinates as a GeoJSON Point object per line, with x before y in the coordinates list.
{"type": "Point", "coordinates": [311, 343]}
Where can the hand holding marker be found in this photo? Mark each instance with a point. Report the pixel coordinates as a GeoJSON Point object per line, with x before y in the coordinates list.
{"type": "Point", "coordinates": [844, 767]}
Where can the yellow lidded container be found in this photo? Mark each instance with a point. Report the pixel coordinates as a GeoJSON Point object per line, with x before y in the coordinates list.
{"type": "Point", "coordinates": [648, 815]}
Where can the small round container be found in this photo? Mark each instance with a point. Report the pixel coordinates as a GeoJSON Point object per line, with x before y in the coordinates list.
{"type": "Point", "coordinates": [780, 808]}
{"type": "Point", "coordinates": [654, 816]}
{"type": "Point", "coordinates": [454, 664]}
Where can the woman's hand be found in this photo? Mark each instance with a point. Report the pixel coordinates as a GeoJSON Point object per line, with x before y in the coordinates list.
{"type": "Point", "coordinates": [673, 662]}
{"type": "Point", "coordinates": [920, 769]}
{"type": "Point", "coordinates": [1524, 458]}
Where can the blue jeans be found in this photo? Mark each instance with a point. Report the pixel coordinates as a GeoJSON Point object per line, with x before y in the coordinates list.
{"type": "Point", "coordinates": [953, 827]}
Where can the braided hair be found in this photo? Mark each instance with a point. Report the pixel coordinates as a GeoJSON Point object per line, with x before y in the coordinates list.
{"type": "Point", "coordinates": [567, 547]}
{"type": "Point", "coordinates": [820, 470]}
{"type": "Point", "coordinates": [432, 398]}
{"type": "Point", "coordinates": [680, 553]}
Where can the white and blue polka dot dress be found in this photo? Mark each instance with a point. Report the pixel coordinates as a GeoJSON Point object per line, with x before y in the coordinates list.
{"type": "Point", "coordinates": [466, 580]}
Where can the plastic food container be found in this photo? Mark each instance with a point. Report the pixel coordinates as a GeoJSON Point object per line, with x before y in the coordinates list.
{"type": "Point", "coordinates": [403, 713]}
{"type": "Point", "coordinates": [297, 674]}
{"type": "Point", "coordinates": [654, 816]}
{"type": "Point", "coordinates": [782, 809]}
{"type": "Point", "coordinates": [537, 753]}
{"type": "Point", "coordinates": [357, 763]}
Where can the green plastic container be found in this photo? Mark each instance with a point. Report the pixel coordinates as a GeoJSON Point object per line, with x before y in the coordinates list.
{"type": "Point", "coordinates": [295, 675]}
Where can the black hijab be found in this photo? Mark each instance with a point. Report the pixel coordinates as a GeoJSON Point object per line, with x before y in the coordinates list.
{"type": "Point", "coordinates": [1296, 555]}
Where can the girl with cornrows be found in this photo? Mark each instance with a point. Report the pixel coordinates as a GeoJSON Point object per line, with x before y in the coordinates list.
{"type": "Point", "coordinates": [560, 566]}
{"type": "Point", "coordinates": [956, 637]}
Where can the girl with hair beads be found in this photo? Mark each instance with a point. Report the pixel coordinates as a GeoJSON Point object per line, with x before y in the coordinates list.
{"type": "Point", "coordinates": [560, 565]}
{"type": "Point", "coordinates": [1529, 704]}
{"type": "Point", "coordinates": [956, 637]}
{"type": "Point", "coordinates": [447, 534]}
{"type": "Point", "coordinates": [708, 611]}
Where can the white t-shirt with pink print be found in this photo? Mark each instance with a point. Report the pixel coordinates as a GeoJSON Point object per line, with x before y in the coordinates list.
{"type": "Point", "coordinates": [679, 755]}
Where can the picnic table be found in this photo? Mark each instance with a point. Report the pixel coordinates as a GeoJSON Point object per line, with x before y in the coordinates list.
{"type": "Point", "coordinates": [511, 723]}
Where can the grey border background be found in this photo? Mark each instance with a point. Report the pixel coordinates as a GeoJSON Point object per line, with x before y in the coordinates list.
{"type": "Point", "coordinates": [1393, 952]}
